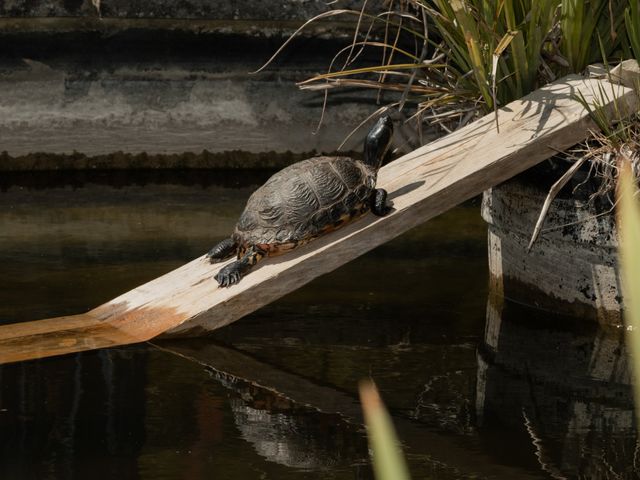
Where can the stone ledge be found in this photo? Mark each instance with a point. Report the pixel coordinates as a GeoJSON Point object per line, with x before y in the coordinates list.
{"type": "Point", "coordinates": [228, 160]}
{"type": "Point", "coordinates": [262, 10]}
{"type": "Point", "coordinates": [168, 80]}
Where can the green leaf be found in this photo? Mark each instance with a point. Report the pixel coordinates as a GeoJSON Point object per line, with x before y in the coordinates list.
{"type": "Point", "coordinates": [388, 461]}
{"type": "Point", "coordinates": [629, 251]}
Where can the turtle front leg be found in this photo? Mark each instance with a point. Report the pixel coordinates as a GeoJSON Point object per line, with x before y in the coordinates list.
{"type": "Point", "coordinates": [232, 273]}
{"type": "Point", "coordinates": [223, 250]}
{"type": "Point", "coordinates": [379, 202]}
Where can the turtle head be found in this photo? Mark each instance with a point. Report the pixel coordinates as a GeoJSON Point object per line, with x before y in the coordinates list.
{"type": "Point", "coordinates": [378, 141]}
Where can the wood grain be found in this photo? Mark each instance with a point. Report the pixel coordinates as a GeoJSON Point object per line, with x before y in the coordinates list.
{"type": "Point", "coordinates": [422, 184]}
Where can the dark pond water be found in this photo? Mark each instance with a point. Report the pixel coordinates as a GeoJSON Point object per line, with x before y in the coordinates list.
{"type": "Point", "coordinates": [478, 387]}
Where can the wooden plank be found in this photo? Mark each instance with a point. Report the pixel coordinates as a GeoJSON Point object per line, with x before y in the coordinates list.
{"type": "Point", "coordinates": [434, 448]}
{"type": "Point", "coordinates": [422, 184]}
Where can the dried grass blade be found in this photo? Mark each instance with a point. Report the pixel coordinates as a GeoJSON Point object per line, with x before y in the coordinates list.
{"type": "Point", "coordinates": [423, 55]}
{"type": "Point", "coordinates": [375, 114]}
{"type": "Point", "coordinates": [356, 71]}
{"type": "Point", "coordinates": [471, 36]}
{"type": "Point", "coordinates": [395, 87]}
{"type": "Point", "coordinates": [355, 34]}
{"type": "Point", "coordinates": [553, 191]}
{"type": "Point", "coordinates": [497, 53]}
{"type": "Point", "coordinates": [331, 13]}
{"type": "Point", "coordinates": [390, 59]}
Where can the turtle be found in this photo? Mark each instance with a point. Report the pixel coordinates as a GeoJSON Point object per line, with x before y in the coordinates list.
{"type": "Point", "coordinates": [304, 201]}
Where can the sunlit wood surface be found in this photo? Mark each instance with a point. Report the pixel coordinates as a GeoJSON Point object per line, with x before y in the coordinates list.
{"type": "Point", "coordinates": [422, 184]}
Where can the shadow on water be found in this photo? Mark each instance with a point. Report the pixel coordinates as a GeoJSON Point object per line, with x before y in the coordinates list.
{"type": "Point", "coordinates": [476, 392]}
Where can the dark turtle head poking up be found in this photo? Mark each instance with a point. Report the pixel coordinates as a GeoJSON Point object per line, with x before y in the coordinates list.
{"type": "Point", "coordinates": [377, 142]}
{"type": "Point", "coordinates": [304, 201]}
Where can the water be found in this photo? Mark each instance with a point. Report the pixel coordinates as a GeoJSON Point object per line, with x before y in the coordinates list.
{"type": "Point", "coordinates": [478, 388]}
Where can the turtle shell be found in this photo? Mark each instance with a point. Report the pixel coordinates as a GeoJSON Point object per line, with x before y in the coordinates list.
{"type": "Point", "coordinates": [304, 201]}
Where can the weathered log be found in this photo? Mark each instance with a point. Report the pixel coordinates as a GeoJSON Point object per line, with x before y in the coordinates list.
{"type": "Point", "coordinates": [422, 184]}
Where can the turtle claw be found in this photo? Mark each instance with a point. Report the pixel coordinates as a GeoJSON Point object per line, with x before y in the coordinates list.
{"type": "Point", "coordinates": [379, 203]}
{"type": "Point", "coordinates": [384, 210]}
{"type": "Point", "coordinates": [232, 273]}
{"type": "Point", "coordinates": [229, 275]}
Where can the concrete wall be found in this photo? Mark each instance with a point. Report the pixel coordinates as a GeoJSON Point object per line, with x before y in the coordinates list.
{"type": "Point", "coordinates": [168, 108]}
{"type": "Point", "coordinates": [571, 269]}
{"type": "Point", "coordinates": [165, 78]}
{"type": "Point", "coordinates": [261, 10]}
